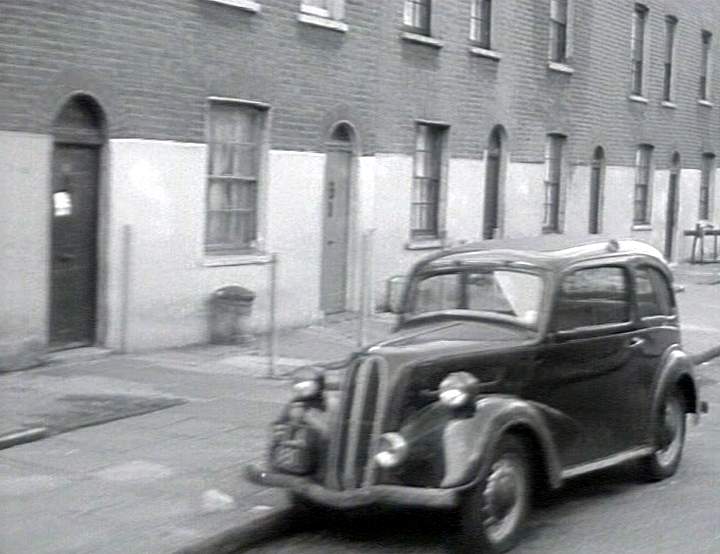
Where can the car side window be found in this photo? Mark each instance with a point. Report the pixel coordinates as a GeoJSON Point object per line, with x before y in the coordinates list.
{"type": "Point", "coordinates": [593, 296]}
{"type": "Point", "coordinates": [652, 292]}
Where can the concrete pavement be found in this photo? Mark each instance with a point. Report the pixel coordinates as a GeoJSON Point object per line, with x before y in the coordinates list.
{"type": "Point", "coordinates": [160, 480]}
{"type": "Point", "coordinates": [163, 472]}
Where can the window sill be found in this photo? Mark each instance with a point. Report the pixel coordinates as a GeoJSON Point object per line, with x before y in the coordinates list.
{"type": "Point", "coordinates": [668, 104]}
{"type": "Point", "coordinates": [224, 260]}
{"type": "Point", "coordinates": [324, 22]}
{"type": "Point", "coordinates": [642, 227]}
{"type": "Point", "coordinates": [485, 53]}
{"type": "Point", "coordinates": [638, 98]}
{"type": "Point", "coordinates": [247, 5]}
{"type": "Point", "coordinates": [421, 39]}
{"type": "Point", "coordinates": [706, 103]}
{"type": "Point", "coordinates": [561, 68]}
{"type": "Point", "coordinates": [424, 244]}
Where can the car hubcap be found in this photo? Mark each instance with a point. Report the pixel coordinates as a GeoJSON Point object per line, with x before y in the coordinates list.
{"type": "Point", "coordinates": [670, 433]}
{"type": "Point", "coordinates": [504, 497]}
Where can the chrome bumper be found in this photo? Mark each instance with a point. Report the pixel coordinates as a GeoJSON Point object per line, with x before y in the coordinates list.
{"type": "Point", "coordinates": [352, 498]}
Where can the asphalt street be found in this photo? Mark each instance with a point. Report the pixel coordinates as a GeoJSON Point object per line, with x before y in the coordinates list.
{"type": "Point", "coordinates": [611, 512]}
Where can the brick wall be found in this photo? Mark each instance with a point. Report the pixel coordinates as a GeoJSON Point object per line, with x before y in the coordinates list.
{"type": "Point", "coordinates": [152, 65]}
{"type": "Point", "coordinates": [591, 106]}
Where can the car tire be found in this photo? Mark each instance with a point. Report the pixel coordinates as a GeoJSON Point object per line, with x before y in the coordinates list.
{"type": "Point", "coordinates": [670, 436]}
{"type": "Point", "coordinates": [493, 513]}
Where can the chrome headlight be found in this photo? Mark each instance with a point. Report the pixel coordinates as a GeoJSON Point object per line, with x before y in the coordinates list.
{"type": "Point", "coordinates": [458, 389]}
{"type": "Point", "coordinates": [307, 383]}
{"type": "Point", "coordinates": [392, 450]}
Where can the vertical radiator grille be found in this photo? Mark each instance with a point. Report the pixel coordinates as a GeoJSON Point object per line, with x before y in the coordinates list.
{"type": "Point", "coordinates": [358, 424]}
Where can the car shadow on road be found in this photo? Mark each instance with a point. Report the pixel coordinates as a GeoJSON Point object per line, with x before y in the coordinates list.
{"type": "Point", "coordinates": [409, 530]}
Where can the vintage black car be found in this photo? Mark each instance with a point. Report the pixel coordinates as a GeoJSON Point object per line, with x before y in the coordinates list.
{"type": "Point", "coordinates": [509, 370]}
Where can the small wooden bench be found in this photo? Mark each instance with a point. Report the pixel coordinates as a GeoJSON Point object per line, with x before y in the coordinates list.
{"type": "Point", "coordinates": [699, 234]}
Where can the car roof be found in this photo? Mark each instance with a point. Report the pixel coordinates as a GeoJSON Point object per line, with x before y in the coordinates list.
{"type": "Point", "coordinates": [551, 252]}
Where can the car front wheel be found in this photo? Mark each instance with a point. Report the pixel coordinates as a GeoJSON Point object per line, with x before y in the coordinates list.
{"type": "Point", "coordinates": [670, 438]}
{"type": "Point", "coordinates": [493, 513]}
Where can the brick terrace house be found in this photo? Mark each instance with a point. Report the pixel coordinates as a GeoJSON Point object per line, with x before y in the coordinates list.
{"type": "Point", "coordinates": [152, 153]}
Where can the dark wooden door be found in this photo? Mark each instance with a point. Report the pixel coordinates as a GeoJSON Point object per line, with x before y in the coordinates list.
{"type": "Point", "coordinates": [492, 192]}
{"type": "Point", "coordinates": [671, 217]}
{"type": "Point", "coordinates": [595, 182]}
{"type": "Point", "coordinates": [73, 255]}
{"type": "Point", "coordinates": [335, 232]}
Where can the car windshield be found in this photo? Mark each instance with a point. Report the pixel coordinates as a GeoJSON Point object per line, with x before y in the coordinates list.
{"type": "Point", "coordinates": [514, 294]}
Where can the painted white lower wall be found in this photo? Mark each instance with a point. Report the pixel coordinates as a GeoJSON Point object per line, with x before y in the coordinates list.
{"type": "Point", "coordinates": [523, 198]}
{"type": "Point", "coordinates": [158, 190]}
{"type": "Point", "coordinates": [156, 294]}
{"type": "Point", "coordinates": [24, 247]}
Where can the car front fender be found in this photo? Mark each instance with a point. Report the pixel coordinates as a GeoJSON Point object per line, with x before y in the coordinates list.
{"type": "Point", "coordinates": [469, 441]}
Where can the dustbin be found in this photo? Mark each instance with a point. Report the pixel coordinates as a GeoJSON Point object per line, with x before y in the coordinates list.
{"type": "Point", "coordinates": [230, 307]}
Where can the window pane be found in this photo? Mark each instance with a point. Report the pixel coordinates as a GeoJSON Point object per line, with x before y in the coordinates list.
{"type": "Point", "coordinates": [244, 126]}
{"type": "Point", "coordinates": [595, 296]}
{"type": "Point", "coordinates": [217, 198]}
{"type": "Point", "coordinates": [421, 163]}
{"type": "Point", "coordinates": [705, 64]}
{"type": "Point", "coordinates": [648, 303]}
{"type": "Point", "coordinates": [558, 41]}
{"type": "Point", "coordinates": [558, 10]}
{"type": "Point", "coordinates": [642, 185]}
{"type": "Point", "coordinates": [507, 292]}
{"type": "Point", "coordinates": [662, 292]}
{"type": "Point", "coordinates": [638, 48]}
{"type": "Point", "coordinates": [426, 180]}
{"type": "Point", "coordinates": [439, 292]}
{"type": "Point", "coordinates": [480, 22]}
{"type": "Point", "coordinates": [416, 14]}
{"type": "Point", "coordinates": [232, 175]}
{"type": "Point", "coordinates": [708, 168]}
{"type": "Point", "coordinates": [245, 161]}
{"type": "Point", "coordinates": [653, 293]}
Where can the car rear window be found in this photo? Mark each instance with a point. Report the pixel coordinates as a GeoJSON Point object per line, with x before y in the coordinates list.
{"type": "Point", "coordinates": [653, 292]}
{"type": "Point", "coordinates": [593, 296]}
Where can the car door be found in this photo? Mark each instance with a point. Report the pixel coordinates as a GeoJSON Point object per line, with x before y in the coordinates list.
{"type": "Point", "coordinates": [658, 330]}
{"type": "Point", "coordinates": [586, 368]}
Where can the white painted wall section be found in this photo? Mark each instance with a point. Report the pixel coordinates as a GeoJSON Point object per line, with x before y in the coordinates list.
{"type": "Point", "coordinates": [24, 247]}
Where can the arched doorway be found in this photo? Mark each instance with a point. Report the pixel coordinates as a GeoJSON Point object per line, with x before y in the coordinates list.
{"type": "Point", "coordinates": [336, 212]}
{"type": "Point", "coordinates": [672, 205]}
{"type": "Point", "coordinates": [493, 176]}
{"type": "Point", "coordinates": [597, 178]}
{"type": "Point", "coordinates": [78, 133]}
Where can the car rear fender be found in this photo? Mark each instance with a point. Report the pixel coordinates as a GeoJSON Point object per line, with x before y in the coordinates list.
{"type": "Point", "coordinates": [676, 370]}
{"type": "Point", "coordinates": [469, 441]}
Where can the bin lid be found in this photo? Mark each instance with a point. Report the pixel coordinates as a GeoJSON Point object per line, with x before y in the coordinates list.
{"type": "Point", "coordinates": [234, 292]}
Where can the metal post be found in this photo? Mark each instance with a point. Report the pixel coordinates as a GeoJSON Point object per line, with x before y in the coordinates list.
{"type": "Point", "coordinates": [272, 350]}
{"type": "Point", "coordinates": [125, 286]}
{"type": "Point", "coordinates": [363, 291]}
{"type": "Point", "coordinates": [370, 267]}
{"type": "Point", "coordinates": [366, 285]}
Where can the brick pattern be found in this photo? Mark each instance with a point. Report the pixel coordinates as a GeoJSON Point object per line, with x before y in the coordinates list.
{"type": "Point", "coordinates": [591, 106]}
{"type": "Point", "coordinates": [152, 65]}
{"type": "Point", "coordinates": [159, 61]}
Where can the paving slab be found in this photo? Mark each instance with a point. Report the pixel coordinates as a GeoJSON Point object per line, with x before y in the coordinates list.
{"type": "Point", "coordinates": [141, 483]}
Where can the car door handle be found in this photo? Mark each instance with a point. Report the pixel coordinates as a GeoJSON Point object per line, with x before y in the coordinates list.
{"type": "Point", "coordinates": [636, 342]}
